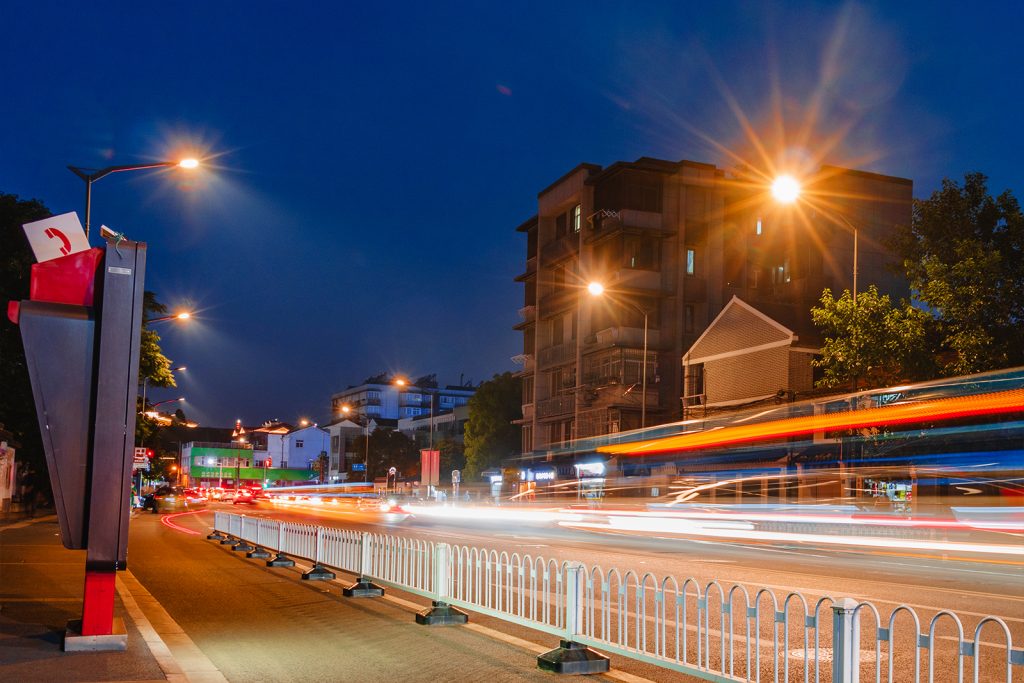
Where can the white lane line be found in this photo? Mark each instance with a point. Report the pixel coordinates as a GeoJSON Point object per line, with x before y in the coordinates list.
{"type": "Point", "coordinates": [178, 657]}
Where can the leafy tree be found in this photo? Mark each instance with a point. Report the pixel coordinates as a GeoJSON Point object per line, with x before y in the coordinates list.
{"type": "Point", "coordinates": [452, 457]}
{"type": "Point", "coordinates": [872, 344]}
{"type": "Point", "coordinates": [964, 258]}
{"type": "Point", "coordinates": [490, 432]}
{"type": "Point", "coordinates": [17, 408]}
{"type": "Point", "coordinates": [153, 364]}
{"type": "Point", "coordinates": [390, 448]}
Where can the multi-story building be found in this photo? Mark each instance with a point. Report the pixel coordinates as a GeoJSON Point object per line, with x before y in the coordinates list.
{"type": "Point", "coordinates": [388, 400]}
{"type": "Point", "coordinates": [672, 243]}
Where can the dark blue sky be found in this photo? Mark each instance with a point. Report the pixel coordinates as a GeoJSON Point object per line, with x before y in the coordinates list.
{"type": "Point", "coordinates": [367, 166]}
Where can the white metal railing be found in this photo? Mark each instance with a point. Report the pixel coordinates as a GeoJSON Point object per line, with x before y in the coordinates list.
{"type": "Point", "coordinates": [703, 630]}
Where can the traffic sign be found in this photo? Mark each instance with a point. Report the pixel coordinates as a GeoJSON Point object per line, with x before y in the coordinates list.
{"type": "Point", "coordinates": [358, 467]}
{"type": "Point", "coordinates": [456, 476]}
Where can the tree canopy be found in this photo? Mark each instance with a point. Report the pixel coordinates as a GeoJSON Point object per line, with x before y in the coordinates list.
{"type": "Point", "coordinates": [490, 432]}
{"type": "Point", "coordinates": [964, 258]}
{"type": "Point", "coordinates": [872, 344]}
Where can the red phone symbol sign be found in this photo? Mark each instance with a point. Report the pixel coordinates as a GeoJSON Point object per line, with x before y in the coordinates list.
{"type": "Point", "coordinates": [55, 234]}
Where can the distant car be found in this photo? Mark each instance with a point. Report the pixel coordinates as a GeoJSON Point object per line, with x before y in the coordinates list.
{"type": "Point", "coordinates": [244, 497]}
{"type": "Point", "coordinates": [172, 499]}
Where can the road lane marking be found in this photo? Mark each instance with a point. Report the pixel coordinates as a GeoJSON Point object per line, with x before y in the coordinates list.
{"type": "Point", "coordinates": [178, 657]}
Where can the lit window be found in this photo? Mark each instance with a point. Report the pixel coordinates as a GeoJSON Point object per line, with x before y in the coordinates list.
{"type": "Point", "coordinates": [691, 261]}
{"type": "Point", "coordinates": [576, 218]}
{"type": "Point", "coordinates": [760, 227]}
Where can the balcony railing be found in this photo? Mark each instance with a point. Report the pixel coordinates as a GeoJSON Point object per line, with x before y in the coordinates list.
{"type": "Point", "coordinates": [556, 355]}
{"type": "Point", "coordinates": [562, 248]}
{"type": "Point", "coordinates": [628, 336]}
{"type": "Point", "coordinates": [557, 405]}
{"type": "Point", "coordinates": [528, 313]}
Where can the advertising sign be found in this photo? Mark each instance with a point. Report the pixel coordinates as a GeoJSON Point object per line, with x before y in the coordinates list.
{"type": "Point", "coordinates": [430, 463]}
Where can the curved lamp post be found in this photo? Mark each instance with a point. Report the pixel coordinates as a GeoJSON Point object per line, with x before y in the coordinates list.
{"type": "Point", "coordinates": [91, 175]}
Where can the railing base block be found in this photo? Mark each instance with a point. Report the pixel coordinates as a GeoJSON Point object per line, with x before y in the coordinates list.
{"type": "Point", "coordinates": [258, 554]}
{"type": "Point", "coordinates": [215, 536]}
{"type": "Point", "coordinates": [228, 540]}
{"type": "Point", "coordinates": [318, 573]}
{"type": "Point", "coordinates": [363, 588]}
{"type": "Point", "coordinates": [281, 561]}
{"type": "Point", "coordinates": [573, 658]}
{"type": "Point", "coordinates": [116, 640]}
{"type": "Point", "coordinates": [242, 547]}
{"type": "Point", "coordinates": [441, 614]}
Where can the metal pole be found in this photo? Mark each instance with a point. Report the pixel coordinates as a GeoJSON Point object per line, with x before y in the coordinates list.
{"type": "Point", "coordinates": [643, 406]}
{"type": "Point", "coordinates": [88, 210]}
{"type": "Point", "coordinates": [366, 460]}
{"type": "Point", "coordinates": [854, 266]}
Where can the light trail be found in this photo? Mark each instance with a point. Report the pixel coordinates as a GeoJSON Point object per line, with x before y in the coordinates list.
{"type": "Point", "coordinates": [168, 521]}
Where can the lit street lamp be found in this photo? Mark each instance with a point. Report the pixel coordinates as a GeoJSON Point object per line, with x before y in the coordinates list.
{"type": "Point", "coordinates": [145, 384]}
{"type": "Point", "coordinates": [597, 289]}
{"type": "Point", "coordinates": [170, 400]}
{"type": "Point", "coordinates": [91, 175]}
{"type": "Point", "coordinates": [184, 315]}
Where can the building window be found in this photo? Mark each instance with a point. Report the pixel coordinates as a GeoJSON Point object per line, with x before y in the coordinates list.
{"type": "Point", "coordinates": [760, 226]}
{"type": "Point", "coordinates": [695, 380]}
{"type": "Point", "coordinates": [641, 253]}
{"type": "Point", "coordinates": [781, 274]}
{"type": "Point", "coordinates": [298, 443]}
{"type": "Point", "coordinates": [691, 261]}
{"type": "Point", "coordinates": [688, 318]}
{"type": "Point", "coordinates": [576, 210]}
{"type": "Point", "coordinates": [560, 225]}
{"type": "Point", "coordinates": [335, 443]}
{"type": "Point", "coordinates": [557, 330]}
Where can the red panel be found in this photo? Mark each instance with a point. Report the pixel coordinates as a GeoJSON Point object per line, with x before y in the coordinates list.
{"type": "Point", "coordinates": [69, 279]}
{"type": "Point", "coordinates": [98, 603]}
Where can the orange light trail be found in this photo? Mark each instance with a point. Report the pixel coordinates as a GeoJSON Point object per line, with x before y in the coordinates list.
{"type": "Point", "coordinates": [1001, 402]}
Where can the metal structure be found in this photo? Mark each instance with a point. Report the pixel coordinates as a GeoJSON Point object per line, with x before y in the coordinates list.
{"type": "Point", "coordinates": [704, 629]}
{"type": "Point", "coordinates": [81, 330]}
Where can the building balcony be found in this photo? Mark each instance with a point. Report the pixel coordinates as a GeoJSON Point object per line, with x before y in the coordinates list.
{"type": "Point", "coordinates": [561, 248]}
{"type": "Point", "coordinates": [635, 279]}
{"type": "Point", "coordinates": [631, 219]}
{"type": "Point", "coordinates": [559, 354]}
{"type": "Point", "coordinates": [531, 270]}
{"type": "Point", "coordinates": [558, 300]}
{"type": "Point", "coordinates": [528, 412]}
{"type": "Point", "coordinates": [556, 406]}
{"type": "Point", "coordinates": [528, 313]}
{"type": "Point", "coordinates": [527, 361]}
{"type": "Point", "coordinates": [627, 336]}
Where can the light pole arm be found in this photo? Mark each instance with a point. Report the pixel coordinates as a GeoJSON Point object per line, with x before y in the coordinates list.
{"type": "Point", "coordinates": [96, 174]}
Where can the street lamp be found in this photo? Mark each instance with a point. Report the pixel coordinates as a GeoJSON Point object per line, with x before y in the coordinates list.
{"type": "Point", "coordinates": [786, 189]}
{"type": "Point", "coordinates": [145, 384]}
{"type": "Point", "coordinates": [170, 400]}
{"type": "Point", "coordinates": [184, 315]}
{"type": "Point", "coordinates": [91, 175]}
{"type": "Point", "coordinates": [597, 289]}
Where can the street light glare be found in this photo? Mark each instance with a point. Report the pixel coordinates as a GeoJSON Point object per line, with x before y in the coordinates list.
{"type": "Point", "coordinates": [595, 288]}
{"type": "Point", "coordinates": [400, 382]}
{"type": "Point", "coordinates": [786, 189]}
{"type": "Point", "coordinates": [184, 316]}
{"type": "Point", "coordinates": [189, 163]}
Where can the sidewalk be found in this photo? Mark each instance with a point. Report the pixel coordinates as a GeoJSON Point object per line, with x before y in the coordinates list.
{"type": "Point", "coordinates": [195, 611]}
{"type": "Point", "coordinates": [40, 590]}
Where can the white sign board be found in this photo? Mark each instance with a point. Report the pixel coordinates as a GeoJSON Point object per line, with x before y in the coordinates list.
{"type": "Point", "coordinates": [56, 236]}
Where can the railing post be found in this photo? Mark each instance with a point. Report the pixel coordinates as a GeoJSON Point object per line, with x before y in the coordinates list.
{"type": "Point", "coordinates": [228, 540]}
{"type": "Point", "coordinates": [364, 587]}
{"type": "Point", "coordinates": [258, 552]}
{"type": "Point", "coordinates": [441, 613]}
{"type": "Point", "coordinates": [242, 546]}
{"type": "Point", "coordinates": [216, 535]}
{"type": "Point", "coordinates": [318, 572]}
{"type": "Point", "coordinates": [280, 560]}
{"type": "Point", "coordinates": [845, 642]}
{"type": "Point", "coordinates": [571, 657]}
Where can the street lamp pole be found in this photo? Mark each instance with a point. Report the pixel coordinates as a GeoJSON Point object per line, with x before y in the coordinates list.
{"type": "Point", "coordinates": [91, 175]}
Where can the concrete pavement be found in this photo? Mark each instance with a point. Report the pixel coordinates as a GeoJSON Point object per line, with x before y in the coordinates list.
{"type": "Point", "coordinates": [195, 611]}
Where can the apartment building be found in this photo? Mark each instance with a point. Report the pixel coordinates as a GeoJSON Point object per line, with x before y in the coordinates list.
{"type": "Point", "coordinates": [672, 243]}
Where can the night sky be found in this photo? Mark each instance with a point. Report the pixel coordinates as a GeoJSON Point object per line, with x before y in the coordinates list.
{"type": "Point", "coordinates": [365, 167]}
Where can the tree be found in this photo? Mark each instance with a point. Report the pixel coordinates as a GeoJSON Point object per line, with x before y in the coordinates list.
{"type": "Point", "coordinates": [17, 407]}
{"type": "Point", "coordinates": [452, 457]}
{"type": "Point", "coordinates": [964, 258]}
{"type": "Point", "coordinates": [872, 344]}
{"type": "Point", "coordinates": [490, 432]}
{"type": "Point", "coordinates": [389, 448]}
